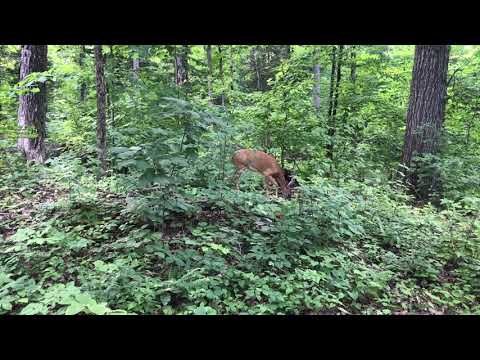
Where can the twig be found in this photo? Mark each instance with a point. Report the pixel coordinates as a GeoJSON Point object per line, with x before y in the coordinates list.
{"type": "Point", "coordinates": [452, 76]}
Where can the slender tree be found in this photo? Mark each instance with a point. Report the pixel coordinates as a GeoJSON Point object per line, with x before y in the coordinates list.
{"type": "Point", "coordinates": [257, 65]}
{"type": "Point", "coordinates": [83, 84]}
{"type": "Point", "coordinates": [181, 64]}
{"type": "Point", "coordinates": [101, 110]}
{"type": "Point", "coordinates": [337, 84]}
{"type": "Point", "coordinates": [334, 91]}
{"type": "Point", "coordinates": [32, 109]}
{"type": "Point", "coordinates": [352, 108]}
{"type": "Point", "coordinates": [316, 79]}
{"type": "Point", "coordinates": [353, 65]}
{"type": "Point", "coordinates": [232, 67]}
{"type": "Point", "coordinates": [208, 51]}
{"type": "Point", "coordinates": [285, 51]}
{"type": "Point", "coordinates": [425, 114]}
{"type": "Point", "coordinates": [332, 79]}
{"type": "Point", "coordinates": [135, 65]}
{"type": "Point", "coordinates": [220, 69]}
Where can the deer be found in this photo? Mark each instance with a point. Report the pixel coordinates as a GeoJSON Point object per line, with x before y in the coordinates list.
{"type": "Point", "coordinates": [266, 165]}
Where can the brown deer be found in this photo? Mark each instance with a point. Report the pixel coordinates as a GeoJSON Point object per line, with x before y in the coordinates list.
{"type": "Point", "coordinates": [264, 164]}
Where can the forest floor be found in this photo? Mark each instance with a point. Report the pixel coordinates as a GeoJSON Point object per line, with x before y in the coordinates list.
{"type": "Point", "coordinates": [72, 244]}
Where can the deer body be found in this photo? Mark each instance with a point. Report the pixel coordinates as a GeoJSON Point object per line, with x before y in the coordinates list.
{"type": "Point", "coordinates": [262, 163]}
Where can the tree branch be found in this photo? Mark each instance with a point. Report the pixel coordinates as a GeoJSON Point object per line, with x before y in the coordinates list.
{"type": "Point", "coordinates": [453, 75]}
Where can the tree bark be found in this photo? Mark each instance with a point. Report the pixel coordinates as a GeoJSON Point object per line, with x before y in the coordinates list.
{"type": "Point", "coordinates": [353, 65]}
{"type": "Point", "coordinates": [337, 82]}
{"type": "Point", "coordinates": [220, 68]}
{"type": "Point", "coordinates": [316, 85]}
{"type": "Point", "coordinates": [353, 106]}
{"type": "Point", "coordinates": [32, 109]}
{"type": "Point", "coordinates": [285, 53]}
{"type": "Point", "coordinates": [334, 87]}
{"type": "Point", "coordinates": [83, 84]}
{"type": "Point", "coordinates": [208, 50]}
{"type": "Point", "coordinates": [135, 67]}
{"type": "Point", "coordinates": [181, 65]}
{"type": "Point", "coordinates": [332, 79]}
{"type": "Point", "coordinates": [257, 68]}
{"type": "Point", "coordinates": [232, 68]}
{"type": "Point", "coordinates": [426, 110]}
{"type": "Point", "coordinates": [101, 110]}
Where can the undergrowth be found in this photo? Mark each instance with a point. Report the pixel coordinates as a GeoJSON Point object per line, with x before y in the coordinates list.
{"type": "Point", "coordinates": [75, 245]}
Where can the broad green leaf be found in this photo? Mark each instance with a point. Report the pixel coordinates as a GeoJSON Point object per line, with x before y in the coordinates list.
{"type": "Point", "coordinates": [98, 309]}
{"type": "Point", "coordinates": [34, 309]}
{"type": "Point", "coordinates": [74, 308]}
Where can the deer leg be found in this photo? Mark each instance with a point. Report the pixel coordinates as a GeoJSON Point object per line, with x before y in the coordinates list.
{"type": "Point", "coordinates": [278, 183]}
{"type": "Point", "coordinates": [269, 181]}
{"type": "Point", "coordinates": [237, 175]}
{"type": "Point", "coordinates": [267, 185]}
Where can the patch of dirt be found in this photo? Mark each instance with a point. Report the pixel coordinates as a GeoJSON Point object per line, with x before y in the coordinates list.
{"type": "Point", "coordinates": [25, 206]}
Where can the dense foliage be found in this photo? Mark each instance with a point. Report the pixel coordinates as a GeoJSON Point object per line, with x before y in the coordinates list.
{"type": "Point", "coordinates": [165, 232]}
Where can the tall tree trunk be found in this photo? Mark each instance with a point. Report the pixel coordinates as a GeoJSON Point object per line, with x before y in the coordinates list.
{"type": "Point", "coordinates": [101, 110]}
{"type": "Point", "coordinates": [316, 84]}
{"type": "Point", "coordinates": [332, 79]}
{"type": "Point", "coordinates": [257, 68]}
{"type": "Point", "coordinates": [220, 68]}
{"type": "Point", "coordinates": [181, 65]}
{"type": "Point", "coordinates": [334, 87]}
{"type": "Point", "coordinates": [426, 112]}
{"type": "Point", "coordinates": [208, 50]}
{"type": "Point", "coordinates": [232, 67]}
{"type": "Point", "coordinates": [32, 109]}
{"type": "Point", "coordinates": [285, 53]}
{"type": "Point", "coordinates": [353, 107]}
{"type": "Point", "coordinates": [353, 65]}
{"type": "Point", "coordinates": [112, 59]}
{"type": "Point", "coordinates": [337, 82]}
{"type": "Point", "coordinates": [135, 67]}
{"type": "Point", "coordinates": [83, 84]}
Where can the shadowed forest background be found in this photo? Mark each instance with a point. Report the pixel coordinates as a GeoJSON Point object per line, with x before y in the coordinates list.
{"type": "Point", "coordinates": [117, 187]}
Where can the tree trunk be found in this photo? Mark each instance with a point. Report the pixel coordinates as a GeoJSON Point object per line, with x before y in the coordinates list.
{"type": "Point", "coordinates": [257, 68]}
{"type": "Point", "coordinates": [426, 112]}
{"type": "Point", "coordinates": [135, 67]}
{"type": "Point", "coordinates": [32, 109]}
{"type": "Point", "coordinates": [334, 87]}
{"type": "Point", "coordinates": [353, 65]}
{"type": "Point", "coordinates": [316, 85]}
{"type": "Point", "coordinates": [220, 68]}
{"type": "Point", "coordinates": [181, 65]}
{"type": "Point", "coordinates": [208, 50]}
{"type": "Point", "coordinates": [101, 110]}
{"type": "Point", "coordinates": [83, 84]}
{"type": "Point", "coordinates": [332, 80]}
{"type": "Point", "coordinates": [337, 82]}
{"type": "Point", "coordinates": [353, 106]}
{"type": "Point", "coordinates": [232, 68]}
{"type": "Point", "coordinates": [285, 52]}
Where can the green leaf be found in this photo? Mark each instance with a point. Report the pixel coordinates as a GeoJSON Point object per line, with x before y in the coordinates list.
{"type": "Point", "coordinates": [74, 308]}
{"type": "Point", "coordinates": [84, 299]}
{"type": "Point", "coordinates": [117, 312]}
{"type": "Point", "coordinates": [7, 306]}
{"type": "Point", "coordinates": [204, 310]}
{"type": "Point", "coordinates": [34, 309]}
{"type": "Point", "coordinates": [98, 309]}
